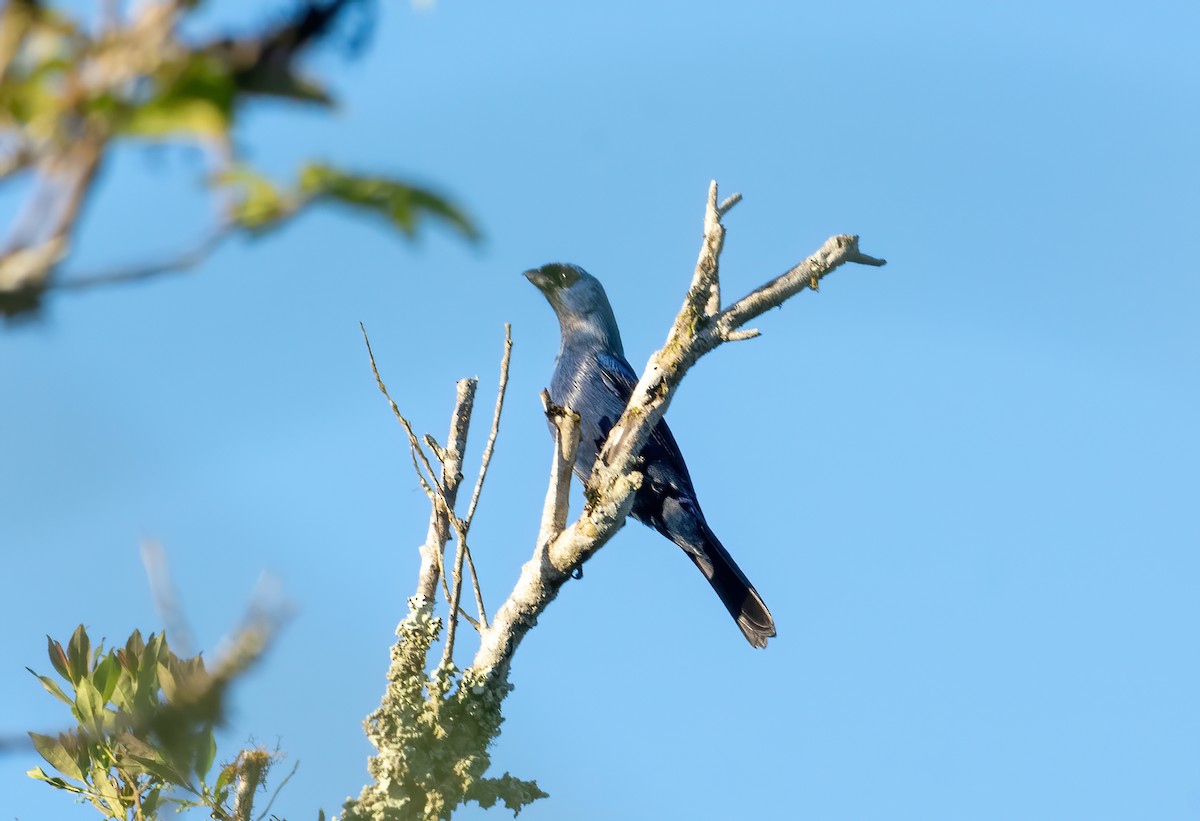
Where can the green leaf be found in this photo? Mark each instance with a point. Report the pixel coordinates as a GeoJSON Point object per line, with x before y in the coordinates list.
{"type": "Point", "coordinates": [52, 687]}
{"type": "Point", "coordinates": [89, 705]}
{"type": "Point", "coordinates": [106, 675]}
{"type": "Point", "coordinates": [225, 778]}
{"type": "Point", "coordinates": [284, 84]}
{"type": "Point", "coordinates": [138, 748]}
{"type": "Point", "coordinates": [195, 98]}
{"type": "Point", "coordinates": [150, 803]}
{"type": "Point", "coordinates": [108, 791]}
{"type": "Point", "coordinates": [146, 690]}
{"type": "Point", "coordinates": [151, 760]}
{"type": "Point", "coordinates": [125, 690]}
{"type": "Point", "coordinates": [54, 751]}
{"type": "Point", "coordinates": [79, 655]}
{"type": "Point", "coordinates": [58, 658]}
{"type": "Point", "coordinates": [400, 204]}
{"type": "Point", "coordinates": [40, 775]}
{"type": "Point", "coordinates": [206, 752]}
{"type": "Point", "coordinates": [166, 118]}
{"type": "Point", "coordinates": [166, 680]}
{"type": "Point", "coordinates": [259, 204]}
{"type": "Point", "coordinates": [134, 649]}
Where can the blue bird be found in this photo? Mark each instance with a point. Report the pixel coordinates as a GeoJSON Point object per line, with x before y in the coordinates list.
{"type": "Point", "coordinates": [592, 378]}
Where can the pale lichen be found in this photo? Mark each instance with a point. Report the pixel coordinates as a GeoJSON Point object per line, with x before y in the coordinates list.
{"type": "Point", "coordinates": [432, 733]}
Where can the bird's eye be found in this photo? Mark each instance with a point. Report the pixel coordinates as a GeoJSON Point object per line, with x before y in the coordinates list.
{"type": "Point", "coordinates": [562, 276]}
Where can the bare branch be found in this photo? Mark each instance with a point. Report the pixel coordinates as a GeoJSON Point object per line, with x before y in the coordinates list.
{"type": "Point", "coordinates": [491, 442]}
{"type": "Point", "coordinates": [18, 157]}
{"type": "Point", "coordinates": [275, 794]}
{"type": "Point", "coordinates": [471, 620]}
{"type": "Point", "coordinates": [454, 458]}
{"type": "Point", "coordinates": [540, 579]}
{"type": "Point", "coordinates": [566, 442]}
{"type": "Point", "coordinates": [482, 622]}
{"type": "Point", "coordinates": [865, 259]}
{"type": "Point", "coordinates": [706, 279]}
{"type": "Point", "coordinates": [543, 576]}
{"type": "Point", "coordinates": [50, 215]}
{"type": "Point", "coordinates": [433, 445]}
{"type": "Point", "coordinates": [442, 496]}
{"type": "Point", "coordinates": [699, 327]}
{"type": "Point", "coordinates": [432, 487]}
{"type": "Point", "coordinates": [251, 767]}
{"type": "Point", "coordinates": [738, 336]}
{"type": "Point", "coordinates": [451, 458]}
{"type": "Point", "coordinates": [441, 563]}
{"type": "Point", "coordinates": [136, 273]}
{"type": "Point", "coordinates": [460, 550]}
{"type": "Point", "coordinates": [836, 251]}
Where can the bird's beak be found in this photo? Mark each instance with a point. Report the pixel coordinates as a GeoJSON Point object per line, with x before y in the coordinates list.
{"type": "Point", "coordinates": [539, 279]}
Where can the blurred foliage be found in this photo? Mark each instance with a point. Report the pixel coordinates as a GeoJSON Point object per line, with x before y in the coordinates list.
{"type": "Point", "coordinates": [259, 205]}
{"type": "Point", "coordinates": [70, 93]}
{"type": "Point", "coordinates": [144, 739]}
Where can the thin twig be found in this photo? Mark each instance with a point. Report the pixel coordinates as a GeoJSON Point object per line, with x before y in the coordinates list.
{"type": "Point", "coordinates": [470, 619]}
{"type": "Point", "coordinates": [441, 567]}
{"type": "Point", "coordinates": [438, 452]}
{"type": "Point", "coordinates": [463, 552]}
{"type": "Point", "coordinates": [455, 594]}
{"type": "Point", "coordinates": [478, 593]}
{"type": "Point", "coordinates": [136, 273]}
{"type": "Point", "coordinates": [431, 486]}
{"type": "Point", "coordinates": [441, 495]}
{"type": "Point", "coordinates": [434, 492]}
{"type": "Point", "coordinates": [275, 794]}
{"type": "Point", "coordinates": [491, 442]}
{"type": "Point", "coordinates": [452, 458]}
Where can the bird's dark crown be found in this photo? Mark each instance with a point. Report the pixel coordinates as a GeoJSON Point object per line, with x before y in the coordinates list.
{"type": "Point", "coordinates": [560, 274]}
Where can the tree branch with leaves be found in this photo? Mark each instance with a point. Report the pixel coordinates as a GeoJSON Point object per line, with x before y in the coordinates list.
{"type": "Point", "coordinates": [70, 95]}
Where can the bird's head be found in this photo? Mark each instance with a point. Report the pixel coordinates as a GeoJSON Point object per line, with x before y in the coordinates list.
{"type": "Point", "coordinates": [579, 300]}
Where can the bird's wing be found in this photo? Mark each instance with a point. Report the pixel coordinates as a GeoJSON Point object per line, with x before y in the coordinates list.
{"type": "Point", "coordinates": [619, 378]}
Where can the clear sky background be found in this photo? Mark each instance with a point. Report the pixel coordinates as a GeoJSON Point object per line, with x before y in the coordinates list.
{"type": "Point", "coordinates": [964, 483]}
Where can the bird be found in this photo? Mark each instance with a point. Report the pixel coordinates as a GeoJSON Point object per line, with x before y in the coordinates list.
{"type": "Point", "coordinates": [592, 378]}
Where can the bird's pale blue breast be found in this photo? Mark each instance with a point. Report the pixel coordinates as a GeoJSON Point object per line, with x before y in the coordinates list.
{"type": "Point", "coordinates": [583, 383]}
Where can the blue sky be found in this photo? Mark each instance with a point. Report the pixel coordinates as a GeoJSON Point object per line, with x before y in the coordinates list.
{"type": "Point", "coordinates": [965, 483]}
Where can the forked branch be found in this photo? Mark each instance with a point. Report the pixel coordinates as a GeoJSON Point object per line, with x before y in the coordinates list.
{"type": "Point", "coordinates": [700, 326]}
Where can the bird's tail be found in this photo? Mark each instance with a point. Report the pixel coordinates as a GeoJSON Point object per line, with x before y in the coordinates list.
{"type": "Point", "coordinates": [737, 594]}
